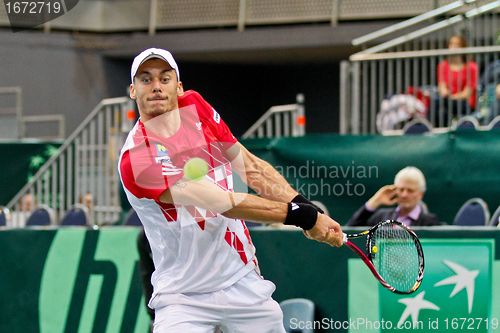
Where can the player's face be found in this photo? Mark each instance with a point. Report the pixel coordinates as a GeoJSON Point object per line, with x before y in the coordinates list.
{"type": "Point", "coordinates": [409, 194]}
{"type": "Point", "coordinates": [155, 89]}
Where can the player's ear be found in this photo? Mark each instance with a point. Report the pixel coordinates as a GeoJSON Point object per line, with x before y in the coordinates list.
{"type": "Point", "coordinates": [180, 89]}
{"type": "Point", "coordinates": [132, 91]}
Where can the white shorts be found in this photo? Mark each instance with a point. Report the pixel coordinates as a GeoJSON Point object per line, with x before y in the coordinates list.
{"type": "Point", "coordinates": [244, 307]}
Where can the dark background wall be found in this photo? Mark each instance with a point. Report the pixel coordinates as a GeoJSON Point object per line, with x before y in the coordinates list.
{"type": "Point", "coordinates": [243, 92]}
{"type": "Point", "coordinates": [56, 74]}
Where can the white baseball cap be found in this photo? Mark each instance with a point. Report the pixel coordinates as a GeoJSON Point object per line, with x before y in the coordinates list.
{"type": "Point", "coordinates": [153, 53]}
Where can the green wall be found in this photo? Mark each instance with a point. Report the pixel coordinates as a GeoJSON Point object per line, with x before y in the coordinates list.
{"type": "Point", "coordinates": [19, 161]}
{"type": "Point", "coordinates": [74, 280]}
{"type": "Point", "coordinates": [344, 171]}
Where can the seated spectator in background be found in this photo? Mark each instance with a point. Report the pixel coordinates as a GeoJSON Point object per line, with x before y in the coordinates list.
{"type": "Point", "coordinates": [494, 107]}
{"type": "Point", "coordinates": [490, 91]}
{"type": "Point", "coordinates": [87, 202]}
{"type": "Point", "coordinates": [25, 207]}
{"type": "Point", "coordinates": [399, 109]}
{"type": "Point", "coordinates": [457, 81]}
{"type": "Point", "coordinates": [407, 192]}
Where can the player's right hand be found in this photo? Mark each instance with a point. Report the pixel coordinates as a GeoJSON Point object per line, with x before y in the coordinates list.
{"type": "Point", "coordinates": [386, 195]}
{"type": "Point", "coordinates": [326, 230]}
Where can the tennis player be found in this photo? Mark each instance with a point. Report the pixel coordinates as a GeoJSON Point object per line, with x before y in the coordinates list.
{"type": "Point", "coordinates": [206, 273]}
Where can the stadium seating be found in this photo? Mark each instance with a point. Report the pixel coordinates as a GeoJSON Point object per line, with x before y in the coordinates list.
{"type": "Point", "coordinates": [467, 123]}
{"type": "Point", "coordinates": [494, 124]}
{"type": "Point", "coordinates": [40, 217]}
{"type": "Point", "coordinates": [495, 218]}
{"type": "Point", "coordinates": [417, 126]}
{"type": "Point", "coordinates": [76, 216]}
{"type": "Point", "coordinates": [299, 309]}
{"type": "Point", "coordinates": [474, 212]}
{"type": "Point", "coordinates": [3, 217]}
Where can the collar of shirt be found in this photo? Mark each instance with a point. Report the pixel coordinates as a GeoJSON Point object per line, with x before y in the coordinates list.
{"type": "Point", "coordinates": [412, 216]}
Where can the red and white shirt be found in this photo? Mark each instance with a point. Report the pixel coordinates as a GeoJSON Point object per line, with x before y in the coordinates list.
{"type": "Point", "coordinates": [194, 250]}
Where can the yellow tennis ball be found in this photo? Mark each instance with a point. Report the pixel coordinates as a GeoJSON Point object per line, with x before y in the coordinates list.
{"type": "Point", "coordinates": [195, 168]}
{"type": "Point", "coordinates": [374, 249]}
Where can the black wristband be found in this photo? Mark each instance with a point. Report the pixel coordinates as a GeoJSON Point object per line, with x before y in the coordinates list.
{"type": "Point", "coordinates": [301, 199]}
{"type": "Point", "coordinates": [301, 215]}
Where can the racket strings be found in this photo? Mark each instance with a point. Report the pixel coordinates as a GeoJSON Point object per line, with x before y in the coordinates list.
{"type": "Point", "coordinates": [396, 257]}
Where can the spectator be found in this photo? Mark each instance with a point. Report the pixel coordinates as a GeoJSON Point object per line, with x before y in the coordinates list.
{"type": "Point", "coordinates": [408, 190]}
{"type": "Point", "coordinates": [490, 91]}
{"type": "Point", "coordinates": [25, 206]}
{"type": "Point", "coordinates": [87, 203]}
{"type": "Point", "coordinates": [457, 81]}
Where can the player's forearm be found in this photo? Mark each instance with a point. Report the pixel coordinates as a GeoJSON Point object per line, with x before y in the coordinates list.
{"type": "Point", "coordinates": [254, 208]}
{"type": "Point", "coordinates": [259, 175]}
{"type": "Point", "coordinates": [206, 195]}
{"type": "Point", "coordinates": [268, 182]}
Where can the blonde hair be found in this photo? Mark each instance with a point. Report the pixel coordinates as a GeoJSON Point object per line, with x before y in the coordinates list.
{"type": "Point", "coordinates": [411, 173]}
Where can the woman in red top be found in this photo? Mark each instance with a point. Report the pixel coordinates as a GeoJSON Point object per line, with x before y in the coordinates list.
{"type": "Point", "coordinates": [457, 81]}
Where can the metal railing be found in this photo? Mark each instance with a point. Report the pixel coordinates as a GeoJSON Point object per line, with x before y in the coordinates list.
{"type": "Point", "coordinates": [58, 119]}
{"type": "Point", "coordinates": [281, 120]}
{"type": "Point", "coordinates": [13, 124]}
{"type": "Point", "coordinates": [411, 22]}
{"type": "Point", "coordinates": [479, 25]}
{"type": "Point", "coordinates": [370, 78]}
{"type": "Point", "coordinates": [84, 165]}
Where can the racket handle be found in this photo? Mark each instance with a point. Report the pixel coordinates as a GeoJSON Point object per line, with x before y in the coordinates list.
{"type": "Point", "coordinates": [344, 238]}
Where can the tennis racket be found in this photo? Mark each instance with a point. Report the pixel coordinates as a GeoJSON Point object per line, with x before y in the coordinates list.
{"type": "Point", "coordinates": [393, 254]}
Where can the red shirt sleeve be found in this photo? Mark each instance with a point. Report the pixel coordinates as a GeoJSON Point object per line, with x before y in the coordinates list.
{"type": "Point", "coordinates": [442, 72]}
{"type": "Point", "coordinates": [472, 84]}
{"type": "Point", "coordinates": [209, 117]}
{"type": "Point", "coordinates": [473, 75]}
{"type": "Point", "coordinates": [143, 177]}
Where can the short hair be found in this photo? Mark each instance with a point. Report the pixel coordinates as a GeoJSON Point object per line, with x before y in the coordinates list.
{"type": "Point", "coordinates": [414, 174]}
